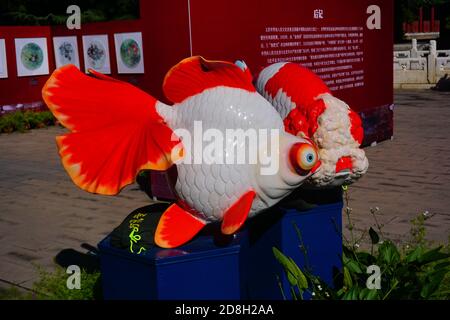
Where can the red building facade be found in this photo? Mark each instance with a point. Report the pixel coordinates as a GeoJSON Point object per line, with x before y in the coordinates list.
{"type": "Point", "coordinates": [350, 47]}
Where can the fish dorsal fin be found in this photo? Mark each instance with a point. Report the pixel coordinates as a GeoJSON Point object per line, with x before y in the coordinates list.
{"type": "Point", "coordinates": [195, 74]}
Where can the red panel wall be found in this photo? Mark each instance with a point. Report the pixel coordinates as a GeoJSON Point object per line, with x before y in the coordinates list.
{"type": "Point", "coordinates": [16, 89]}
{"type": "Point", "coordinates": [165, 36]}
{"type": "Point", "coordinates": [228, 30]}
{"type": "Point", "coordinates": [165, 26]}
{"type": "Point", "coordinates": [231, 31]}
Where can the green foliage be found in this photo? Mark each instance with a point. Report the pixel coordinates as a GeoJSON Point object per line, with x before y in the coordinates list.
{"type": "Point", "coordinates": [29, 12]}
{"type": "Point", "coordinates": [22, 121]}
{"type": "Point", "coordinates": [53, 286]}
{"type": "Point", "coordinates": [417, 271]}
{"type": "Point", "coordinates": [408, 11]}
{"type": "Point", "coordinates": [11, 293]}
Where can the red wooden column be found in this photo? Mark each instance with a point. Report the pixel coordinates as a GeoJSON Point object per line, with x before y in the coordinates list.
{"type": "Point", "coordinates": [432, 19]}
{"type": "Point", "coordinates": [420, 19]}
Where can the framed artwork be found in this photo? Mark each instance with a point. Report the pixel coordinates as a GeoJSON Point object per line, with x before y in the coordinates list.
{"type": "Point", "coordinates": [96, 53]}
{"type": "Point", "coordinates": [66, 51]}
{"type": "Point", "coordinates": [3, 65]}
{"type": "Point", "coordinates": [31, 56]}
{"type": "Point", "coordinates": [129, 52]}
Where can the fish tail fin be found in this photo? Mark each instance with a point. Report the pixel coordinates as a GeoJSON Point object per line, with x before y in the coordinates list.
{"type": "Point", "coordinates": [116, 130]}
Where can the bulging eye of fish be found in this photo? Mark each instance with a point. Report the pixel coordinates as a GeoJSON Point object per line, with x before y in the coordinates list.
{"type": "Point", "coordinates": [303, 157]}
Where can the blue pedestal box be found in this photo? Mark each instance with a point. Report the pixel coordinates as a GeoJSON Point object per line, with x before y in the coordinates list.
{"type": "Point", "coordinates": [318, 217]}
{"type": "Point", "coordinates": [230, 268]}
{"type": "Point", "coordinates": [200, 270]}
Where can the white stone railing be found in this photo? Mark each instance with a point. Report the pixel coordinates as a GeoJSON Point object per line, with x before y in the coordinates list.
{"type": "Point", "coordinates": [410, 64]}
{"type": "Point", "coordinates": [402, 54]}
{"type": "Point", "coordinates": [420, 66]}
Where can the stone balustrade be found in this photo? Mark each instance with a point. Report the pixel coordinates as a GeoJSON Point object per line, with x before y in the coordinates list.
{"type": "Point", "coordinates": [420, 68]}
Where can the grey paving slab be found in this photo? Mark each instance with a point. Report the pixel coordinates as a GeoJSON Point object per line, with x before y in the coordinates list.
{"type": "Point", "coordinates": [411, 173]}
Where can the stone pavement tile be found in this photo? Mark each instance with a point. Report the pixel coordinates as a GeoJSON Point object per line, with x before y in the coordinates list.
{"type": "Point", "coordinates": [411, 173]}
{"type": "Point", "coordinates": [16, 273]}
{"type": "Point", "coordinates": [42, 212]}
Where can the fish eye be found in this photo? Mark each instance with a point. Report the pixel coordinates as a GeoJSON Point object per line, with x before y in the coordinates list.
{"type": "Point", "coordinates": [306, 157]}
{"type": "Point", "coordinates": [303, 157]}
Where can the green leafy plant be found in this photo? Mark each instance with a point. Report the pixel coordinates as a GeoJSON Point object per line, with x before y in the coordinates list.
{"type": "Point", "coordinates": [23, 121]}
{"type": "Point", "coordinates": [53, 286]}
{"type": "Point", "coordinates": [417, 271]}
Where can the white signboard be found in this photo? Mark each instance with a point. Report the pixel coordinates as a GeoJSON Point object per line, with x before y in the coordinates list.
{"type": "Point", "coordinates": [3, 65]}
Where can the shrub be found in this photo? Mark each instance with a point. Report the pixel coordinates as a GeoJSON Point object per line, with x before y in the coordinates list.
{"type": "Point", "coordinates": [416, 271]}
{"type": "Point", "coordinates": [53, 286]}
{"type": "Point", "coordinates": [23, 121]}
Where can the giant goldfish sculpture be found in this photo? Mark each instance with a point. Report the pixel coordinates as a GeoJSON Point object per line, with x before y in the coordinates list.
{"type": "Point", "coordinates": [118, 130]}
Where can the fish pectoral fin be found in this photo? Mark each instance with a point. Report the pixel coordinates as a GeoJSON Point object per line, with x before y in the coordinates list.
{"type": "Point", "coordinates": [176, 227]}
{"type": "Point", "coordinates": [236, 215]}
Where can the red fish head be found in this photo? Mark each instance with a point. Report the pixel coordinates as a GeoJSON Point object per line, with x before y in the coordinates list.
{"type": "Point", "coordinates": [304, 158]}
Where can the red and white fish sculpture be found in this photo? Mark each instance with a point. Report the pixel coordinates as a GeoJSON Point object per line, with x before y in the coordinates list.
{"type": "Point", "coordinates": [309, 109]}
{"type": "Point", "coordinates": [118, 130]}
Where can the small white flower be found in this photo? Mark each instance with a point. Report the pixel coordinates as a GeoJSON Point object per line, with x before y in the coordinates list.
{"type": "Point", "coordinates": [319, 287]}
{"type": "Point", "coordinates": [356, 245]}
{"type": "Point", "coordinates": [426, 213]}
{"type": "Point", "coordinates": [313, 293]}
{"type": "Point", "coordinates": [377, 209]}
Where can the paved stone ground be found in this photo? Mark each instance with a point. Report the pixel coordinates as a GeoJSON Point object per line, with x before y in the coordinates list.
{"type": "Point", "coordinates": [410, 174]}
{"type": "Point", "coordinates": [42, 212]}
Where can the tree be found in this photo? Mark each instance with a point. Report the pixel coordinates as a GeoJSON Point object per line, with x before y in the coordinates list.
{"type": "Point", "coordinates": [408, 11]}
{"type": "Point", "coordinates": [444, 32]}
{"type": "Point", "coordinates": [46, 12]}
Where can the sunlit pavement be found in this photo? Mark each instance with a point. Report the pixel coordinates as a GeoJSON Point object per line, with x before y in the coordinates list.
{"type": "Point", "coordinates": [410, 174]}
{"type": "Point", "coordinates": [43, 212]}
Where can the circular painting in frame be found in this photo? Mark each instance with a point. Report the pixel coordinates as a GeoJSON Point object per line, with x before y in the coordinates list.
{"type": "Point", "coordinates": [96, 55]}
{"type": "Point", "coordinates": [130, 53]}
{"type": "Point", "coordinates": [31, 56]}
